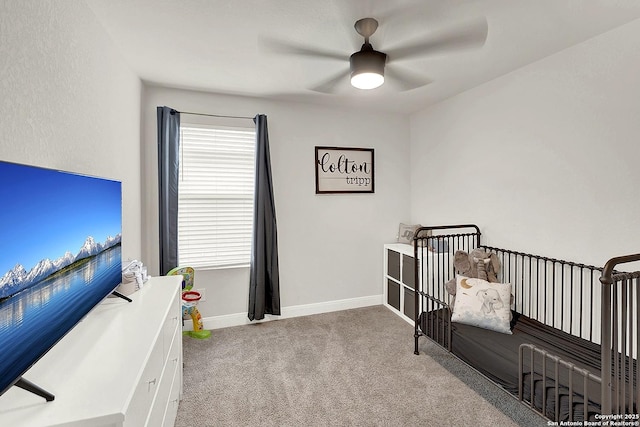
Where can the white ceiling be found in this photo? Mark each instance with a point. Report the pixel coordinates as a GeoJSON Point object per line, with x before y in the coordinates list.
{"type": "Point", "coordinates": [219, 45]}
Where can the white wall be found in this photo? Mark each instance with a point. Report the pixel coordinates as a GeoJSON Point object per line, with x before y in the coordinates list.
{"type": "Point", "coordinates": [330, 246]}
{"type": "Point", "coordinates": [544, 159]}
{"type": "Point", "coordinates": [68, 100]}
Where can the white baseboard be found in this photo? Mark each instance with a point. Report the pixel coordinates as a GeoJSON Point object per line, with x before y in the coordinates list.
{"type": "Point", "coordinates": [239, 319]}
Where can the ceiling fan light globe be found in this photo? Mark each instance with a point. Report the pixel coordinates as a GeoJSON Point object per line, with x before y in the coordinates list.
{"type": "Point", "coordinates": [367, 80]}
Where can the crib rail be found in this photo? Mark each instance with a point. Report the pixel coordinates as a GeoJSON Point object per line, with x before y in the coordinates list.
{"type": "Point", "coordinates": [551, 291]}
{"type": "Point", "coordinates": [550, 368]}
{"type": "Point", "coordinates": [620, 338]}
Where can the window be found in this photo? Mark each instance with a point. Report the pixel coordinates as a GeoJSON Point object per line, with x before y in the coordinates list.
{"type": "Point", "coordinates": [215, 196]}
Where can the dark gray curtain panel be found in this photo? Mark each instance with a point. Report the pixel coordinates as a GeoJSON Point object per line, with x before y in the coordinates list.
{"type": "Point", "coordinates": [168, 163]}
{"type": "Point", "coordinates": [264, 282]}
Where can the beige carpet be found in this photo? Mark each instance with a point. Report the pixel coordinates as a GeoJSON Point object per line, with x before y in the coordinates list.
{"type": "Point", "coordinates": [348, 368]}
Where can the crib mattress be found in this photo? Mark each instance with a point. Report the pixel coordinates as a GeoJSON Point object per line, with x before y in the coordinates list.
{"type": "Point", "coordinates": [496, 356]}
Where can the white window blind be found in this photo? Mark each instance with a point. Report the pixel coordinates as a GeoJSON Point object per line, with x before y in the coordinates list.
{"type": "Point", "coordinates": [215, 196]}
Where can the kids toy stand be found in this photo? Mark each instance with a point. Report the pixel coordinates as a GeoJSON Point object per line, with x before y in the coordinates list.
{"type": "Point", "coordinates": [190, 300]}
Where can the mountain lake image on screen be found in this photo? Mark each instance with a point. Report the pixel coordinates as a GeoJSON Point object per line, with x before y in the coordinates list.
{"type": "Point", "coordinates": [60, 255]}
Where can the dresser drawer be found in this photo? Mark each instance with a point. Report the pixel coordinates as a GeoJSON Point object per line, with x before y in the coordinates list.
{"type": "Point", "coordinates": [393, 264]}
{"type": "Point", "coordinates": [171, 324]}
{"type": "Point", "coordinates": [144, 394]}
{"type": "Point", "coordinates": [393, 294]}
{"type": "Point", "coordinates": [166, 383]}
{"type": "Point", "coordinates": [174, 399]}
{"type": "Point", "coordinates": [408, 272]}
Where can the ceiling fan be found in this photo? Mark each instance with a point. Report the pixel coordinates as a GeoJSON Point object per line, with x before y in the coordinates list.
{"type": "Point", "coordinates": [368, 67]}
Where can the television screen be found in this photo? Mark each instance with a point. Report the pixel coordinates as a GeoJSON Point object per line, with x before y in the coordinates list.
{"type": "Point", "coordinates": [60, 255]}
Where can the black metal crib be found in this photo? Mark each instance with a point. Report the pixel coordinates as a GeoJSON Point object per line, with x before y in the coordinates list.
{"type": "Point", "coordinates": [576, 330]}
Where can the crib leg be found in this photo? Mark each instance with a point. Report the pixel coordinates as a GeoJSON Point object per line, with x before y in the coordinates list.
{"type": "Point", "coordinates": [416, 336]}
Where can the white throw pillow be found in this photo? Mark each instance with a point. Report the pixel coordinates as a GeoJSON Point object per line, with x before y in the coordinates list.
{"type": "Point", "coordinates": [483, 304]}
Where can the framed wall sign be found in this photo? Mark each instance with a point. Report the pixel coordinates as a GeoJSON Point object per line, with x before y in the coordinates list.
{"type": "Point", "coordinates": [344, 170]}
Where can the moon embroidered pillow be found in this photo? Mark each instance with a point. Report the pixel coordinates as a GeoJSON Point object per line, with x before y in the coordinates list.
{"type": "Point", "coordinates": [482, 304]}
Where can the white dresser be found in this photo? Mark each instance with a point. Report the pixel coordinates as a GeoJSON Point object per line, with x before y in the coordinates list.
{"type": "Point", "coordinates": [120, 366]}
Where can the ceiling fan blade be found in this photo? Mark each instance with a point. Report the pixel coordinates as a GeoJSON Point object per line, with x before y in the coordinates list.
{"type": "Point", "coordinates": [288, 48]}
{"type": "Point", "coordinates": [404, 79]}
{"type": "Point", "coordinates": [330, 85]}
{"type": "Point", "coordinates": [471, 34]}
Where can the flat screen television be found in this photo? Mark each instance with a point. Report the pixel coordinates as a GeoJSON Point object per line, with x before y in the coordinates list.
{"type": "Point", "coordinates": [60, 255]}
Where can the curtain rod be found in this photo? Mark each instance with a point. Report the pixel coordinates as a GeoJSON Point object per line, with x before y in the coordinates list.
{"type": "Point", "coordinates": [215, 115]}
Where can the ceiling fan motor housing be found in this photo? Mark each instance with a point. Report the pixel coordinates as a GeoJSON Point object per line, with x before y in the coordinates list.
{"type": "Point", "coordinates": [367, 61]}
